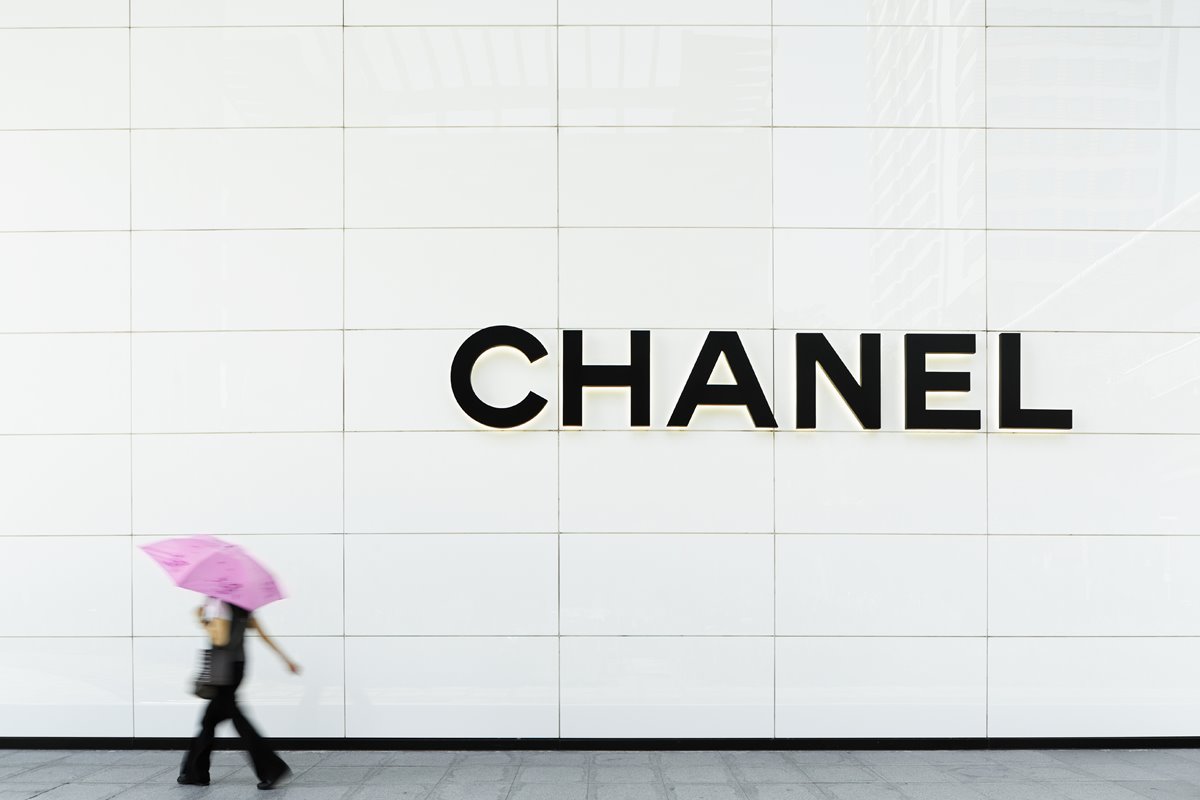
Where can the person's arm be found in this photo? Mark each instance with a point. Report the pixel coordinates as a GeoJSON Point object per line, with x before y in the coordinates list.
{"type": "Point", "coordinates": [217, 629]}
{"type": "Point", "coordinates": [291, 665]}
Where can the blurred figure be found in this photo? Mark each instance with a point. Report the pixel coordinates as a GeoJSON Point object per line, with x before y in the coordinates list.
{"type": "Point", "coordinates": [226, 625]}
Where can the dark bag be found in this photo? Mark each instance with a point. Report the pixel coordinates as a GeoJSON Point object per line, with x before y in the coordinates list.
{"type": "Point", "coordinates": [216, 671]}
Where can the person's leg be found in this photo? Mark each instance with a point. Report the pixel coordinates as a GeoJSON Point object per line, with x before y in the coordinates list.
{"type": "Point", "coordinates": [268, 766]}
{"type": "Point", "coordinates": [196, 763]}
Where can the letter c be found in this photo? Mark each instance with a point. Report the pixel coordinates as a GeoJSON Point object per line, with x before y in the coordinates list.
{"type": "Point", "coordinates": [470, 351]}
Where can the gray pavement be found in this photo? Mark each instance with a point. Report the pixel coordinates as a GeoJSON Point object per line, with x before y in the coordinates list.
{"type": "Point", "coordinates": [634, 775]}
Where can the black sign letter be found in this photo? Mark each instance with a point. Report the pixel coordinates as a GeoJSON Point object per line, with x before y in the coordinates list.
{"type": "Point", "coordinates": [635, 375]}
{"type": "Point", "coordinates": [1011, 413]}
{"type": "Point", "coordinates": [744, 391]}
{"type": "Point", "coordinates": [469, 352]}
{"type": "Point", "coordinates": [918, 380]}
{"type": "Point", "coordinates": [813, 349]}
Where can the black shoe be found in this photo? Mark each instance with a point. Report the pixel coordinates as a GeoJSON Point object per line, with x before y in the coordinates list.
{"type": "Point", "coordinates": [269, 783]}
{"type": "Point", "coordinates": [186, 781]}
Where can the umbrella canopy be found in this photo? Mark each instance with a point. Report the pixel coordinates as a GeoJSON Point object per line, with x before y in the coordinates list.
{"type": "Point", "coordinates": [216, 568]}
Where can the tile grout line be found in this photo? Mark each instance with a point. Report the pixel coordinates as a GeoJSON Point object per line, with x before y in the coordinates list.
{"type": "Point", "coordinates": [987, 483]}
{"type": "Point", "coordinates": [132, 549]}
{"type": "Point", "coordinates": [558, 351]}
{"type": "Point", "coordinates": [345, 682]}
{"type": "Point", "coordinates": [774, 390]}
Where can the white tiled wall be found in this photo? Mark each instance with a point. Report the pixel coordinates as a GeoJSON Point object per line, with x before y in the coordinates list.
{"type": "Point", "coordinates": [240, 241]}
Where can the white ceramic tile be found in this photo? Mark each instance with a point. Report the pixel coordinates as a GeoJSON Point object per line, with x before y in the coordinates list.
{"type": "Point", "coordinates": [1093, 484]}
{"type": "Point", "coordinates": [1093, 585]}
{"type": "Point", "coordinates": [1093, 687]}
{"type": "Point", "coordinates": [64, 282]}
{"type": "Point", "coordinates": [450, 278]}
{"type": "Point", "coordinates": [879, 76]}
{"type": "Point", "coordinates": [914, 482]}
{"type": "Point", "coordinates": [881, 687]}
{"type": "Point", "coordinates": [1092, 12]}
{"type": "Point", "coordinates": [455, 686]}
{"type": "Point", "coordinates": [72, 686]}
{"type": "Point", "coordinates": [236, 12]}
{"type": "Point", "coordinates": [845, 585]}
{"type": "Point", "coordinates": [237, 179]}
{"type": "Point", "coordinates": [63, 13]}
{"type": "Point", "coordinates": [66, 78]}
{"type": "Point", "coordinates": [237, 280]}
{"type": "Point", "coordinates": [278, 702]}
{"type": "Point", "coordinates": [476, 177]}
{"type": "Point", "coordinates": [400, 380]}
{"type": "Point", "coordinates": [254, 382]}
{"type": "Point", "coordinates": [237, 483]}
{"type": "Point", "coordinates": [1093, 280]}
{"type": "Point", "coordinates": [65, 485]}
{"type": "Point", "coordinates": [1093, 78]}
{"type": "Point", "coordinates": [879, 12]}
{"type": "Point", "coordinates": [645, 75]}
{"type": "Point", "coordinates": [673, 687]}
{"type": "Point", "coordinates": [39, 573]}
{"type": "Point", "coordinates": [1079, 179]}
{"type": "Point", "coordinates": [307, 567]}
{"type": "Point", "coordinates": [670, 278]}
{"type": "Point", "coordinates": [233, 77]}
{"type": "Point", "coordinates": [450, 76]}
{"type": "Point", "coordinates": [875, 177]}
{"type": "Point", "coordinates": [450, 12]}
{"type": "Point", "coordinates": [65, 383]}
{"type": "Point", "coordinates": [680, 177]}
{"type": "Point", "coordinates": [452, 585]}
{"type": "Point", "coordinates": [667, 584]}
{"type": "Point", "coordinates": [665, 481]}
{"type": "Point", "coordinates": [673, 354]}
{"type": "Point", "coordinates": [665, 12]}
{"type": "Point", "coordinates": [834, 414]}
{"type": "Point", "coordinates": [1114, 382]}
{"type": "Point", "coordinates": [890, 279]}
{"type": "Point", "coordinates": [494, 481]}
{"type": "Point", "coordinates": [64, 180]}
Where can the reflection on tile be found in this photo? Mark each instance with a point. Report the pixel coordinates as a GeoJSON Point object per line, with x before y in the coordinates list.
{"type": "Point", "coordinates": [665, 76]}
{"type": "Point", "coordinates": [1073, 77]}
{"type": "Point", "coordinates": [1093, 280]}
{"type": "Point", "coordinates": [665, 278]}
{"type": "Point", "coordinates": [1081, 179]}
{"type": "Point", "coordinates": [65, 78]}
{"type": "Point", "coordinates": [889, 279]}
{"type": "Point", "coordinates": [879, 177]}
{"type": "Point", "coordinates": [665, 177]}
{"type": "Point", "coordinates": [233, 77]}
{"type": "Point", "coordinates": [1093, 12]}
{"type": "Point", "coordinates": [879, 76]}
{"type": "Point", "coordinates": [450, 76]}
{"type": "Point", "coordinates": [879, 12]}
{"type": "Point", "coordinates": [665, 12]}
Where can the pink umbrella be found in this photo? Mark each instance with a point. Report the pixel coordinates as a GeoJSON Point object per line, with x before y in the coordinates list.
{"type": "Point", "coordinates": [218, 569]}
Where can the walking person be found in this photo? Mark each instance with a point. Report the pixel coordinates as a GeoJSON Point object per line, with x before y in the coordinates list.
{"type": "Point", "coordinates": [226, 625]}
{"type": "Point", "coordinates": [234, 585]}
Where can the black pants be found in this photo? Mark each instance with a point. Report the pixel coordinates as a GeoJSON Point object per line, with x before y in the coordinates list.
{"type": "Point", "coordinates": [267, 765]}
